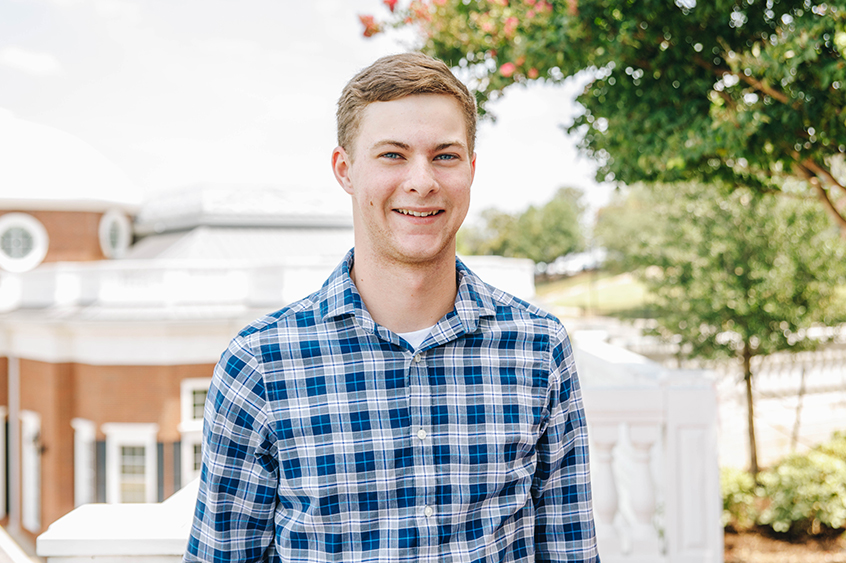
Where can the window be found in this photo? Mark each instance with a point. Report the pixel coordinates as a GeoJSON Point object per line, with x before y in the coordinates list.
{"type": "Point", "coordinates": [23, 242]}
{"type": "Point", "coordinates": [132, 473]}
{"type": "Point", "coordinates": [115, 234]}
{"type": "Point", "coordinates": [198, 457]}
{"type": "Point", "coordinates": [131, 462]}
{"type": "Point", "coordinates": [193, 399]}
{"type": "Point", "coordinates": [198, 403]}
{"type": "Point", "coordinates": [194, 392]}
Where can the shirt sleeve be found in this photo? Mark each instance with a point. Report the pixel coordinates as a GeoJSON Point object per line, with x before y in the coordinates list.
{"type": "Point", "coordinates": [233, 518]}
{"type": "Point", "coordinates": [564, 525]}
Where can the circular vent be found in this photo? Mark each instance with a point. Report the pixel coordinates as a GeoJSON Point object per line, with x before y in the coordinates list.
{"type": "Point", "coordinates": [23, 242]}
{"type": "Point", "coordinates": [115, 234]}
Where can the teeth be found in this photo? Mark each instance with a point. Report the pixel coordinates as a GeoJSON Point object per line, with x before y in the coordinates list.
{"type": "Point", "coordinates": [417, 213]}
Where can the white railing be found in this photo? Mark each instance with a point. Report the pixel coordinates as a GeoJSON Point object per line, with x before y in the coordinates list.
{"type": "Point", "coordinates": [168, 283]}
{"type": "Point", "coordinates": [654, 472]}
{"type": "Point", "coordinates": [114, 533]}
{"type": "Point", "coordinates": [654, 476]}
{"type": "Point", "coordinates": [163, 283]}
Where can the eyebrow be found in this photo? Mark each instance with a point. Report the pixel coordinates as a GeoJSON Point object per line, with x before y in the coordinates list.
{"type": "Point", "coordinates": [406, 146]}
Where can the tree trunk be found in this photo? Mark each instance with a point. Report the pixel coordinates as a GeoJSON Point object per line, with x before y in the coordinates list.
{"type": "Point", "coordinates": [750, 410]}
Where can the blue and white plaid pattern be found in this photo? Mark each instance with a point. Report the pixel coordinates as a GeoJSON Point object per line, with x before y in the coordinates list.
{"type": "Point", "coordinates": [327, 438]}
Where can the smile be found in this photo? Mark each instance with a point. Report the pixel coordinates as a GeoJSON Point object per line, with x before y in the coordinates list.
{"type": "Point", "coordinates": [419, 213]}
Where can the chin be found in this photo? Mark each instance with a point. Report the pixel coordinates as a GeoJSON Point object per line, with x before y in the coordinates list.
{"type": "Point", "coordinates": [427, 255]}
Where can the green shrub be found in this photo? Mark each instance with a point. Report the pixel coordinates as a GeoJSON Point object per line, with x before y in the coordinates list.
{"type": "Point", "coordinates": [738, 488]}
{"type": "Point", "coordinates": [806, 492]}
{"type": "Point", "coordinates": [837, 446]}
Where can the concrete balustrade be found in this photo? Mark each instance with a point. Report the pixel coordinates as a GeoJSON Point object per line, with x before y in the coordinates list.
{"type": "Point", "coordinates": [654, 474]}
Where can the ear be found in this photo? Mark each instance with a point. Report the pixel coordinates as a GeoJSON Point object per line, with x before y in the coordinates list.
{"type": "Point", "coordinates": [472, 168]}
{"type": "Point", "coordinates": [341, 164]}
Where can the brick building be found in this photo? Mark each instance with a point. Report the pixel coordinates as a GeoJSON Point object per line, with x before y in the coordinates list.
{"type": "Point", "coordinates": [106, 361]}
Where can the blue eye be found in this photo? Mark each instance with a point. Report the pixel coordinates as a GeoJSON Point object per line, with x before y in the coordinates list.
{"type": "Point", "coordinates": [392, 155]}
{"type": "Point", "coordinates": [445, 157]}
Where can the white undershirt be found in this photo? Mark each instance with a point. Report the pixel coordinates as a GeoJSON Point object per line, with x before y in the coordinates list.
{"type": "Point", "coordinates": [416, 337]}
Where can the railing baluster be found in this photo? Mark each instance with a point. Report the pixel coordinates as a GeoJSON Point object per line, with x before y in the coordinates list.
{"type": "Point", "coordinates": [604, 437]}
{"type": "Point", "coordinates": [645, 538]}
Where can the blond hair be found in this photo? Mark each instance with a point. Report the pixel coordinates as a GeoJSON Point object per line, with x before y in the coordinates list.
{"type": "Point", "coordinates": [394, 77]}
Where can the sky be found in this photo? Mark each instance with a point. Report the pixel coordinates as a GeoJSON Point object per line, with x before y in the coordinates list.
{"type": "Point", "coordinates": [180, 92]}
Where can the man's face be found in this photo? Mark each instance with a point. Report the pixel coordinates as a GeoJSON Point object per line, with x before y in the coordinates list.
{"type": "Point", "coordinates": [409, 178]}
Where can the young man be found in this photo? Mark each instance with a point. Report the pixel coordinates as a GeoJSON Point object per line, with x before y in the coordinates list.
{"type": "Point", "coordinates": [406, 411]}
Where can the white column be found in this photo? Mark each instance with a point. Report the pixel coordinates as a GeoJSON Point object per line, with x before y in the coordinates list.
{"type": "Point", "coordinates": [14, 443]}
{"type": "Point", "coordinates": [3, 476]}
{"type": "Point", "coordinates": [84, 440]}
{"type": "Point", "coordinates": [694, 532]}
{"type": "Point", "coordinates": [31, 470]}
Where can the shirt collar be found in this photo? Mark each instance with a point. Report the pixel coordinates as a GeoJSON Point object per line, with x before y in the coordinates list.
{"type": "Point", "coordinates": [474, 299]}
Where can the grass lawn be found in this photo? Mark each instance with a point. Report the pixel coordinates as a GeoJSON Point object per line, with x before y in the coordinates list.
{"type": "Point", "coordinates": [597, 293]}
{"type": "Point", "coordinates": [601, 293]}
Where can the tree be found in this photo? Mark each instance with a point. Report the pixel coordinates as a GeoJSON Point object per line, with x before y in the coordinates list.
{"type": "Point", "coordinates": [747, 92]}
{"type": "Point", "coordinates": [732, 274]}
{"type": "Point", "coordinates": [541, 233]}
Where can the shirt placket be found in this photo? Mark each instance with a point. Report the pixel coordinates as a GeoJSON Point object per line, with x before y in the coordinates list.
{"type": "Point", "coordinates": [426, 509]}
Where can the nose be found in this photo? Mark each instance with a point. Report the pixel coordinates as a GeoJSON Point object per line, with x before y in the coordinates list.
{"type": "Point", "coordinates": [421, 177]}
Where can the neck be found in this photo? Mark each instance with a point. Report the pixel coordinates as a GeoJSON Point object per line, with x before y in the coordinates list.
{"type": "Point", "coordinates": [405, 297]}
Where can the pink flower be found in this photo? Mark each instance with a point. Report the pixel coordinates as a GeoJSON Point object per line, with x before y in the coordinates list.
{"type": "Point", "coordinates": [441, 2]}
{"type": "Point", "coordinates": [510, 26]}
{"type": "Point", "coordinates": [391, 4]}
{"type": "Point", "coordinates": [507, 69]}
{"type": "Point", "coordinates": [371, 28]}
{"type": "Point", "coordinates": [533, 73]}
{"type": "Point", "coordinates": [421, 11]}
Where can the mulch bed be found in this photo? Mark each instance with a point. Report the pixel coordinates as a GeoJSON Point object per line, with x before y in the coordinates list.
{"type": "Point", "coordinates": [758, 546]}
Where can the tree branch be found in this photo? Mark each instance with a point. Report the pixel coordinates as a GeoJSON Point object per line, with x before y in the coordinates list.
{"type": "Point", "coordinates": [728, 99]}
{"type": "Point", "coordinates": [822, 194]}
{"type": "Point", "coordinates": [822, 172]}
{"type": "Point", "coordinates": [754, 82]}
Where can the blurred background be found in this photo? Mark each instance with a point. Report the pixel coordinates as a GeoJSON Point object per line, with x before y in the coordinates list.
{"type": "Point", "coordinates": [666, 177]}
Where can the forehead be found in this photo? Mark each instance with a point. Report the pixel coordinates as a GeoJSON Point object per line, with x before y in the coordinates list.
{"type": "Point", "coordinates": [419, 117]}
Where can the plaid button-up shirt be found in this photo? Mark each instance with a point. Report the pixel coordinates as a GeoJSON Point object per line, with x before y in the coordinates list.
{"type": "Point", "coordinates": [328, 438]}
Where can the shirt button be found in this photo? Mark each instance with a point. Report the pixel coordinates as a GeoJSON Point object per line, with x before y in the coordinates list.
{"type": "Point", "coordinates": [428, 511]}
{"type": "Point", "coordinates": [421, 434]}
{"type": "Point", "coordinates": [417, 358]}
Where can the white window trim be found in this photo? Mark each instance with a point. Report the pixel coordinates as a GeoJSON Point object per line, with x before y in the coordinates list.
{"type": "Point", "coordinates": [187, 387]}
{"type": "Point", "coordinates": [84, 442]}
{"type": "Point", "coordinates": [119, 434]}
{"type": "Point", "coordinates": [190, 428]}
{"type": "Point", "coordinates": [189, 440]}
{"type": "Point", "coordinates": [40, 242]}
{"type": "Point", "coordinates": [31, 470]}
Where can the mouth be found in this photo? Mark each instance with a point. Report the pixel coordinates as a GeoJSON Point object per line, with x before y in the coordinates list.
{"type": "Point", "coordinates": [413, 213]}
